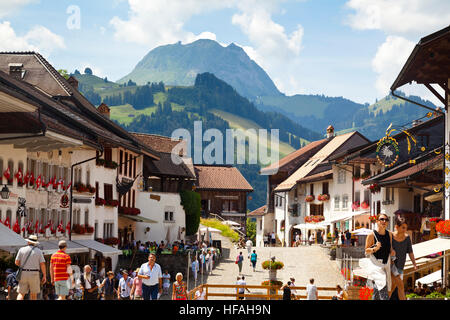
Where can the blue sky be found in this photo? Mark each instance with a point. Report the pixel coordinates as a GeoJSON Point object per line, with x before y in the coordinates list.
{"type": "Point", "coordinates": [349, 48]}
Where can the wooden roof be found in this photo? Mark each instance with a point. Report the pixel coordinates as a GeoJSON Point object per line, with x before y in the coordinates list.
{"type": "Point", "coordinates": [226, 178]}
{"type": "Point", "coordinates": [429, 62]}
{"type": "Point", "coordinates": [258, 212]}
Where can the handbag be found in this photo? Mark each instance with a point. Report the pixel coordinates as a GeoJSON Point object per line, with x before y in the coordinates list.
{"type": "Point", "coordinates": [19, 271]}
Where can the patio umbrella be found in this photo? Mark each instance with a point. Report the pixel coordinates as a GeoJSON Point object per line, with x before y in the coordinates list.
{"type": "Point", "coordinates": [212, 230]}
{"type": "Point", "coordinates": [362, 232]}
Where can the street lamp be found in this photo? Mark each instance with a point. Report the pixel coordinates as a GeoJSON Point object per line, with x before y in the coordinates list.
{"type": "Point", "coordinates": [5, 193]}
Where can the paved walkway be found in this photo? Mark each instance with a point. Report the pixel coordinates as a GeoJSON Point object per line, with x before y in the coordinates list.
{"type": "Point", "coordinates": [302, 263]}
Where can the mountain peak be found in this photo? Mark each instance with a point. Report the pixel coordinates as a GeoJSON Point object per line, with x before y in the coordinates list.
{"type": "Point", "coordinates": [179, 64]}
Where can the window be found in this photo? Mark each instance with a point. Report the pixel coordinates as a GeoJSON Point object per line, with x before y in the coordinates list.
{"type": "Point", "coordinates": [134, 199]}
{"type": "Point", "coordinates": [134, 167]}
{"type": "Point", "coordinates": [64, 218]}
{"type": "Point", "coordinates": [325, 188]}
{"type": "Point", "coordinates": [96, 190]}
{"type": "Point", "coordinates": [11, 170]}
{"type": "Point", "coordinates": [337, 202]}
{"type": "Point", "coordinates": [367, 196]}
{"type": "Point", "coordinates": [131, 166]}
{"type": "Point", "coordinates": [96, 230]}
{"type": "Point", "coordinates": [120, 161]}
{"type": "Point", "coordinates": [88, 177]}
{"type": "Point", "coordinates": [86, 217]}
{"type": "Point", "coordinates": [108, 154]}
{"type": "Point", "coordinates": [43, 218]}
{"type": "Point", "coordinates": [345, 202]}
{"type": "Point", "coordinates": [108, 230]}
{"type": "Point", "coordinates": [341, 176]}
{"type": "Point", "coordinates": [9, 216]}
{"type": "Point", "coordinates": [108, 191]}
{"type": "Point", "coordinates": [311, 189]}
{"type": "Point", "coordinates": [168, 216]}
{"type": "Point", "coordinates": [358, 196]}
{"type": "Point", "coordinates": [126, 164]}
{"type": "Point", "coordinates": [1, 171]}
{"type": "Point", "coordinates": [54, 218]}
{"type": "Point", "coordinates": [316, 209]}
{"type": "Point", "coordinates": [378, 207]}
{"type": "Point", "coordinates": [260, 225]}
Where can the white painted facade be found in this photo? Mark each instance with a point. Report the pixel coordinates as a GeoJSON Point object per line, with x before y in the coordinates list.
{"type": "Point", "coordinates": [168, 213]}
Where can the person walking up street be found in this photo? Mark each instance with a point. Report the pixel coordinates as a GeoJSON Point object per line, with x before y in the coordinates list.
{"type": "Point", "coordinates": [401, 244]}
{"type": "Point", "coordinates": [293, 291]}
{"type": "Point", "coordinates": [287, 294]}
{"type": "Point", "coordinates": [241, 282]}
{"type": "Point", "coordinates": [30, 259]}
{"type": "Point", "coordinates": [311, 291]}
{"type": "Point", "coordinates": [239, 261]}
{"type": "Point", "coordinates": [254, 259]}
{"type": "Point", "coordinates": [379, 245]}
{"type": "Point", "coordinates": [60, 270]}
{"type": "Point", "coordinates": [249, 245]}
{"type": "Point", "coordinates": [273, 239]}
{"type": "Point", "coordinates": [89, 284]}
{"type": "Point", "coordinates": [136, 290]}
{"type": "Point", "coordinates": [151, 275]}
{"type": "Point", "coordinates": [179, 291]}
{"type": "Point", "coordinates": [166, 282]}
{"type": "Point", "coordinates": [125, 285]}
{"type": "Point", "coordinates": [195, 268]}
{"type": "Point", "coordinates": [109, 285]}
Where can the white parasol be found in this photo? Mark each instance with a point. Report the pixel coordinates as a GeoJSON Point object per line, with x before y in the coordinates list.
{"type": "Point", "coordinates": [362, 232]}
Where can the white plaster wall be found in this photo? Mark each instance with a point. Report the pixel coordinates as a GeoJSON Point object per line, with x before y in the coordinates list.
{"type": "Point", "coordinates": [155, 210]}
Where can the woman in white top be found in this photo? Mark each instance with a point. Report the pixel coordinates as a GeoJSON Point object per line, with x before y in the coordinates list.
{"type": "Point", "coordinates": [200, 294]}
{"type": "Point", "coordinates": [311, 290]}
{"type": "Point", "coordinates": [166, 282]}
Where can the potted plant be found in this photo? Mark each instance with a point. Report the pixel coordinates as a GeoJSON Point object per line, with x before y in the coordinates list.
{"type": "Point", "coordinates": [356, 205]}
{"type": "Point", "coordinates": [374, 188]}
{"type": "Point", "coordinates": [365, 205]}
{"type": "Point", "coordinates": [309, 198]}
{"type": "Point", "coordinates": [443, 229]}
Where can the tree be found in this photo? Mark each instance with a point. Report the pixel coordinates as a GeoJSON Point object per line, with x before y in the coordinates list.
{"type": "Point", "coordinates": [88, 71]}
{"type": "Point", "coordinates": [191, 203]}
{"type": "Point", "coordinates": [251, 230]}
{"type": "Point", "coordinates": [64, 73]}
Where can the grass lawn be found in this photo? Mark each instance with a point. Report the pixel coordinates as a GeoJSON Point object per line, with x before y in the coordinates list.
{"type": "Point", "coordinates": [226, 230]}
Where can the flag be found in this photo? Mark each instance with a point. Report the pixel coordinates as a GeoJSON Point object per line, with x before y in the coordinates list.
{"type": "Point", "coordinates": [19, 176]}
{"type": "Point", "coordinates": [7, 174]}
{"type": "Point", "coordinates": [32, 178]}
{"type": "Point", "coordinates": [55, 184]}
{"type": "Point", "coordinates": [68, 187]}
{"type": "Point", "coordinates": [16, 227]}
{"type": "Point", "coordinates": [36, 227]}
{"type": "Point", "coordinates": [60, 227]}
{"type": "Point", "coordinates": [27, 178]}
{"type": "Point", "coordinates": [7, 223]}
{"type": "Point", "coordinates": [68, 226]}
{"type": "Point", "coordinates": [38, 182]}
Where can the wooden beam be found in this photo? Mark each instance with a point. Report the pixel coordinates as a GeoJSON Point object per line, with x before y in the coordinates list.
{"type": "Point", "coordinates": [429, 87]}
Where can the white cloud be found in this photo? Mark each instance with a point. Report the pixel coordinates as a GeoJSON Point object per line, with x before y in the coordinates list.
{"type": "Point", "coordinates": [389, 60]}
{"type": "Point", "coordinates": [37, 39]}
{"type": "Point", "coordinates": [407, 17]}
{"type": "Point", "coordinates": [9, 6]}
{"type": "Point", "coordinates": [404, 22]}
{"type": "Point", "coordinates": [160, 22]}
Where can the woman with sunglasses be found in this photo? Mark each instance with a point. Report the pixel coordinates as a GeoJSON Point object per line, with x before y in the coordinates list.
{"type": "Point", "coordinates": [379, 244]}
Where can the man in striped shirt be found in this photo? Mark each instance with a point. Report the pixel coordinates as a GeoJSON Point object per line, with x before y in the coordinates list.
{"type": "Point", "coordinates": [59, 264]}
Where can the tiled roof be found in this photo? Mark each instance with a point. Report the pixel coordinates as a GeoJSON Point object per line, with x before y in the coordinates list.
{"type": "Point", "coordinates": [221, 178]}
{"type": "Point", "coordinates": [166, 167]}
{"type": "Point", "coordinates": [314, 161]}
{"type": "Point", "coordinates": [293, 156]}
{"type": "Point", "coordinates": [258, 212]}
{"type": "Point", "coordinates": [326, 175]}
{"type": "Point", "coordinates": [158, 143]}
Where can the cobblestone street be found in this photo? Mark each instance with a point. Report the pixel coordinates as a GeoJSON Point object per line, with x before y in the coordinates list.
{"type": "Point", "coordinates": [302, 263]}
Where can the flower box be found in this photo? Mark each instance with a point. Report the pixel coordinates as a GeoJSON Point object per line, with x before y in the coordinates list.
{"type": "Point", "coordinates": [374, 188]}
{"type": "Point", "coordinates": [79, 229]}
{"type": "Point", "coordinates": [323, 197]}
{"type": "Point", "coordinates": [443, 228]}
{"type": "Point", "coordinates": [365, 205]}
{"type": "Point", "coordinates": [111, 241]}
{"type": "Point", "coordinates": [112, 203]}
{"type": "Point", "coordinates": [100, 202]}
{"type": "Point", "coordinates": [314, 219]}
{"type": "Point", "coordinates": [356, 205]}
{"type": "Point", "coordinates": [309, 198]}
{"type": "Point", "coordinates": [129, 211]}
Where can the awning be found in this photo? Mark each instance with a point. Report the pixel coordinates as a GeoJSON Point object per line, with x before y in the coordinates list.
{"type": "Point", "coordinates": [309, 226]}
{"type": "Point", "coordinates": [137, 218]}
{"type": "Point", "coordinates": [9, 240]}
{"type": "Point", "coordinates": [343, 217]}
{"type": "Point", "coordinates": [427, 248]}
{"type": "Point", "coordinates": [51, 246]}
{"type": "Point", "coordinates": [104, 249]}
{"type": "Point", "coordinates": [435, 197]}
{"type": "Point", "coordinates": [432, 277]}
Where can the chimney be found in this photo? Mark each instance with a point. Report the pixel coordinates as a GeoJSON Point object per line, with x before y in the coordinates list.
{"type": "Point", "coordinates": [16, 70]}
{"type": "Point", "coordinates": [73, 82]}
{"type": "Point", "coordinates": [104, 110]}
{"type": "Point", "coordinates": [330, 132]}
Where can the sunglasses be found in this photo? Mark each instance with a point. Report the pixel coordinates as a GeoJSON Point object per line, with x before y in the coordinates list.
{"type": "Point", "coordinates": [383, 219]}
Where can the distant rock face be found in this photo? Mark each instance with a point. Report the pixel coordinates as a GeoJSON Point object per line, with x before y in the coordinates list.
{"type": "Point", "coordinates": [179, 64]}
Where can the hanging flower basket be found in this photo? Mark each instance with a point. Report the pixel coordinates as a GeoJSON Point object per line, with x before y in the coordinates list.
{"type": "Point", "coordinates": [323, 197]}
{"type": "Point", "coordinates": [314, 219]}
{"type": "Point", "coordinates": [309, 198]}
{"type": "Point", "coordinates": [373, 219]}
{"type": "Point", "coordinates": [365, 175]}
{"type": "Point", "coordinates": [374, 188]}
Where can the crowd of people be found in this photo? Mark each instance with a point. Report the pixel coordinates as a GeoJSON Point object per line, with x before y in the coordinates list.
{"type": "Point", "coordinates": [424, 289]}
{"type": "Point", "coordinates": [147, 282]}
{"type": "Point", "coordinates": [158, 248]}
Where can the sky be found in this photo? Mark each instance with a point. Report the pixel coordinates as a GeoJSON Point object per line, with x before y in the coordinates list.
{"type": "Point", "coordinates": [349, 48]}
